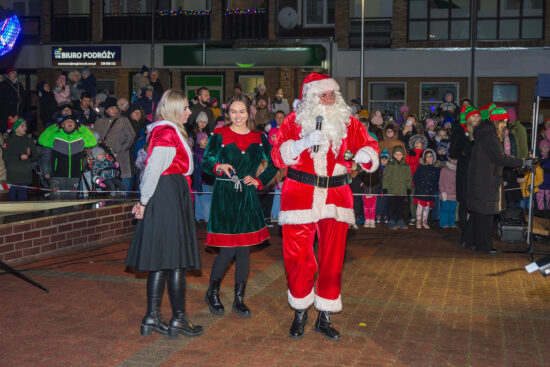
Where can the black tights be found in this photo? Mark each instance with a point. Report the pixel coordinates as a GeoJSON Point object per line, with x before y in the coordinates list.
{"type": "Point", "coordinates": [221, 262]}
{"type": "Point", "coordinates": [156, 282]}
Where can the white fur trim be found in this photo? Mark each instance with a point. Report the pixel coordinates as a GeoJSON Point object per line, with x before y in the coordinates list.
{"type": "Point", "coordinates": [150, 128]}
{"type": "Point", "coordinates": [339, 169]}
{"type": "Point", "coordinates": [301, 303]}
{"type": "Point", "coordinates": [320, 86]}
{"type": "Point", "coordinates": [286, 153]}
{"type": "Point", "coordinates": [373, 158]}
{"type": "Point", "coordinates": [329, 305]}
{"type": "Point", "coordinates": [305, 216]}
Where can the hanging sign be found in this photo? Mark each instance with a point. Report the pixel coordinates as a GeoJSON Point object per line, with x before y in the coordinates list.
{"type": "Point", "coordinates": [86, 56]}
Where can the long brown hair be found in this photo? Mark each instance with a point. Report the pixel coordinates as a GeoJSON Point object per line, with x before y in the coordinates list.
{"type": "Point", "coordinates": [246, 101]}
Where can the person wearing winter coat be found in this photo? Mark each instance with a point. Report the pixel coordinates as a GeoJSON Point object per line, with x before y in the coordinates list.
{"type": "Point", "coordinates": [447, 189]}
{"type": "Point", "coordinates": [485, 180]}
{"type": "Point", "coordinates": [417, 145]}
{"type": "Point", "coordinates": [117, 132]}
{"type": "Point", "coordinates": [12, 98]}
{"type": "Point", "coordinates": [148, 102]}
{"type": "Point", "coordinates": [517, 130]}
{"type": "Point", "coordinates": [48, 104]}
{"type": "Point", "coordinates": [382, 201]}
{"type": "Point", "coordinates": [397, 180]}
{"type": "Point", "coordinates": [462, 143]}
{"type": "Point", "coordinates": [87, 116]}
{"type": "Point", "coordinates": [62, 91]}
{"type": "Point", "coordinates": [525, 186]}
{"type": "Point", "coordinates": [390, 138]}
{"type": "Point", "coordinates": [88, 82]}
{"type": "Point", "coordinates": [426, 185]}
{"type": "Point", "coordinates": [19, 153]}
{"type": "Point", "coordinates": [371, 184]}
{"type": "Point", "coordinates": [74, 78]}
{"type": "Point", "coordinates": [543, 195]}
{"type": "Point", "coordinates": [409, 129]}
{"type": "Point", "coordinates": [280, 103]}
{"type": "Point", "coordinates": [139, 82]}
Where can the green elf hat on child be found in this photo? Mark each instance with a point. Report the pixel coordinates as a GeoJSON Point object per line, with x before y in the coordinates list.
{"type": "Point", "coordinates": [486, 111]}
{"type": "Point", "coordinates": [498, 114]}
{"type": "Point", "coordinates": [16, 124]}
{"type": "Point", "coordinates": [465, 114]}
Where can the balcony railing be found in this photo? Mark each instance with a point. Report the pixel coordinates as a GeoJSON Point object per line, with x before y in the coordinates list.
{"type": "Point", "coordinates": [137, 27]}
{"type": "Point", "coordinates": [250, 24]}
{"type": "Point", "coordinates": [377, 32]}
{"type": "Point", "coordinates": [72, 27]}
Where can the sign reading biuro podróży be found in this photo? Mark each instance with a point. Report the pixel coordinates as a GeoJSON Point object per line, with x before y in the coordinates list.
{"type": "Point", "coordinates": [86, 56]}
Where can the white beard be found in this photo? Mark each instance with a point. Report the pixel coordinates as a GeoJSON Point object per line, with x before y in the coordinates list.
{"type": "Point", "coordinates": [336, 119]}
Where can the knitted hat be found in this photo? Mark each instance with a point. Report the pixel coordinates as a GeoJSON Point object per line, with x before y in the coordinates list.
{"type": "Point", "coordinates": [272, 131]}
{"type": "Point", "coordinates": [144, 69]}
{"type": "Point", "coordinates": [446, 121]}
{"type": "Point", "coordinates": [499, 113]}
{"type": "Point", "coordinates": [444, 144]}
{"type": "Point", "coordinates": [96, 151]}
{"type": "Point", "coordinates": [17, 123]}
{"type": "Point", "coordinates": [68, 117]}
{"type": "Point", "coordinates": [465, 114]}
{"type": "Point", "coordinates": [9, 69]}
{"type": "Point", "coordinates": [261, 86]}
{"type": "Point", "coordinates": [150, 87]}
{"type": "Point", "coordinates": [134, 107]}
{"type": "Point", "coordinates": [101, 96]}
{"type": "Point", "coordinates": [377, 119]}
{"type": "Point", "coordinates": [403, 109]}
{"type": "Point", "coordinates": [512, 115]}
{"type": "Point", "coordinates": [429, 123]}
{"type": "Point", "coordinates": [316, 83]}
{"type": "Point", "coordinates": [201, 136]}
{"type": "Point", "coordinates": [485, 111]}
{"type": "Point", "coordinates": [202, 117]}
{"type": "Point", "coordinates": [109, 102]}
{"type": "Point", "coordinates": [398, 148]}
{"type": "Point", "coordinates": [384, 154]}
{"type": "Point", "coordinates": [86, 71]}
{"type": "Point", "coordinates": [418, 137]}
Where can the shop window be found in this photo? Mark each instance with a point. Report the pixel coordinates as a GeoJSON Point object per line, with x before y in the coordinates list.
{"type": "Point", "coordinates": [250, 83]}
{"type": "Point", "coordinates": [510, 19]}
{"type": "Point", "coordinates": [506, 95]}
{"type": "Point", "coordinates": [373, 9]}
{"type": "Point", "coordinates": [431, 96]}
{"type": "Point", "coordinates": [214, 83]}
{"type": "Point", "coordinates": [318, 13]}
{"type": "Point", "coordinates": [387, 97]}
{"type": "Point", "coordinates": [105, 84]}
{"type": "Point", "coordinates": [435, 20]}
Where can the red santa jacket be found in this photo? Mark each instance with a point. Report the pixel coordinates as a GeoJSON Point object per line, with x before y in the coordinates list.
{"type": "Point", "coordinates": [302, 203]}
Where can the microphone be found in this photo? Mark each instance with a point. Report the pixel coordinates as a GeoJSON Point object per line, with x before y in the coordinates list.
{"type": "Point", "coordinates": [319, 120]}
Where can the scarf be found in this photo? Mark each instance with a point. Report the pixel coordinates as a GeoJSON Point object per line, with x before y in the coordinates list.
{"type": "Point", "coordinates": [506, 143]}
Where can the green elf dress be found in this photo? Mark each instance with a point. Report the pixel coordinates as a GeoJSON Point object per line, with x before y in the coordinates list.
{"type": "Point", "coordinates": [236, 216]}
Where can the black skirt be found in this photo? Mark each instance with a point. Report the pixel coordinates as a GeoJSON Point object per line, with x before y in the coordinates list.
{"type": "Point", "coordinates": [166, 238]}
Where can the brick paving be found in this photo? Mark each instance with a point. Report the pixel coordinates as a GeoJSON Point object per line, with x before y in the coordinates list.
{"type": "Point", "coordinates": [411, 298]}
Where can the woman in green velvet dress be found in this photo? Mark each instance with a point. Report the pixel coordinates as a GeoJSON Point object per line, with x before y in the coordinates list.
{"type": "Point", "coordinates": [233, 154]}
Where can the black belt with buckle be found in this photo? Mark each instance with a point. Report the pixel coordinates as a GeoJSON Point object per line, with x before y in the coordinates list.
{"type": "Point", "coordinates": [319, 181]}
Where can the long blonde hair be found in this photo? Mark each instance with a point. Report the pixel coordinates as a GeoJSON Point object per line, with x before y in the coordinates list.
{"type": "Point", "coordinates": [171, 107]}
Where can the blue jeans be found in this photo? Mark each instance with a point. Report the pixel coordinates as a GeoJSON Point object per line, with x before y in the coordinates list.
{"type": "Point", "coordinates": [202, 203]}
{"type": "Point", "coordinates": [524, 204]}
{"type": "Point", "coordinates": [435, 210]}
{"type": "Point", "coordinates": [447, 213]}
{"type": "Point", "coordinates": [127, 182]}
{"type": "Point", "coordinates": [17, 193]}
{"type": "Point", "coordinates": [276, 208]}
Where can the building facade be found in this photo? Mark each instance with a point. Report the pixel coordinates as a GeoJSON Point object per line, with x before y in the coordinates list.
{"type": "Point", "coordinates": [415, 50]}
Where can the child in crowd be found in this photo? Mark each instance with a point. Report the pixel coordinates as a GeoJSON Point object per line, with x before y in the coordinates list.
{"type": "Point", "coordinates": [201, 123]}
{"type": "Point", "coordinates": [356, 186]}
{"type": "Point", "coordinates": [372, 185]}
{"type": "Point", "coordinates": [397, 181]}
{"type": "Point", "coordinates": [104, 171]}
{"type": "Point", "coordinates": [141, 160]}
{"type": "Point", "coordinates": [19, 152]}
{"type": "Point", "coordinates": [214, 106]}
{"type": "Point", "coordinates": [543, 196]}
{"type": "Point", "coordinates": [447, 125]}
{"type": "Point", "coordinates": [447, 189]}
{"type": "Point", "coordinates": [382, 201]}
{"type": "Point", "coordinates": [417, 144]}
{"type": "Point", "coordinates": [202, 201]}
{"type": "Point", "coordinates": [430, 133]}
{"type": "Point", "coordinates": [525, 185]}
{"type": "Point", "coordinates": [426, 182]}
{"type": "Point", "coordinates": [448, 108]}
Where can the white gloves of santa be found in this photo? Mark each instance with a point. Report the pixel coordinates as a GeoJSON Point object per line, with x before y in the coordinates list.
{"type": "Point", "coordinates": [312, 138]}
{"type": "Point", "coordinates": [443, 196]}
{"type": "Point", "coordinates": [362, 157]}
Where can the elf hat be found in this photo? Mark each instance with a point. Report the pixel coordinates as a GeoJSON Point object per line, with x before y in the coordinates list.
{"type": "Point", "coordinates": [316, 83]}
{"type": "Point", "coordinates": [499, 113]}
{"type": "Point", "coordinates": [486, 111]}
{"type": "Point", "coordinates": [465, 114]}
{"type": "Point", "coordinates": [17, 123]}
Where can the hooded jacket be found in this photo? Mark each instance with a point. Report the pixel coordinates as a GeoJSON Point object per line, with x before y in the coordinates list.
{"type": "Point", "coordinates": [397, 178]}
{"type": "Point", "coordinates": [426, 179]}
{"type": "Point", "coordinates": [387, 143]}
{"type": "Point", "coordinates": [48, 105]}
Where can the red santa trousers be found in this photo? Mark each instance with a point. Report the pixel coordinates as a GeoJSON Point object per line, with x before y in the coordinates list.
{"type": "Point", "coordinates": [301, 265]}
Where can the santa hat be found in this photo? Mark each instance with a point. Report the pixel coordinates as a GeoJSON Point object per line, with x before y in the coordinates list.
{"type": "Point", "coordinates": [318, 83]}
{"type": "Point", "coordinates": [9, 69]}
{"type": "Point", "coordinates": [14, 124]}
{"type": "Point", "coordinates": [465, 114]}
{"type": "Point", "coordinates": [499, 113]}
{"type": "Point", "coordinates": [486, 111]}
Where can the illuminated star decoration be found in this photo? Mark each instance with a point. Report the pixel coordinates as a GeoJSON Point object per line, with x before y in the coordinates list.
{"type": "Point", "coordinates": [9, 31]}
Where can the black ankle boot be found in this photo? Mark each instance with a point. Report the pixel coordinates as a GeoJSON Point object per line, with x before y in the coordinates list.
{"type": "Point", "coordinates": [238, 305]}
{"type": "Point", "coordinates": [155, 289]}
{"type": "Point", "coordinates": [180, 324]}
{"type": "Point", "coordinates": [298, 325]}
{"type": "Point", "coordinates": [324, 326]}
{"type": "Point", "coordinates": [212, 298]}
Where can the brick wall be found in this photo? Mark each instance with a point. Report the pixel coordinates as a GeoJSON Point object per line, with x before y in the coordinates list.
{"type": "Point", "coordinates": [341, 23]}
{"type": "Point", "coordinates": [30, 240]}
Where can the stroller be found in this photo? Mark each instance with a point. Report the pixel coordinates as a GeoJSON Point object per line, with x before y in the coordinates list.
{"type": "Point", "coordinates": [88, 183]}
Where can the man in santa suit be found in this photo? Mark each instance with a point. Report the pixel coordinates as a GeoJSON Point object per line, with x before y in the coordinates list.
{"type": "Point", "coordinates": [316, 196]}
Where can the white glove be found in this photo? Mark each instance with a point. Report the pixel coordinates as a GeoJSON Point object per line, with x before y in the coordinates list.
{"type": "Point", "coordinates": [443, 196]}
{"type": "Point", "coordinates": [312, 138]}
{"type": "Point", "coordinates": [362, 157]}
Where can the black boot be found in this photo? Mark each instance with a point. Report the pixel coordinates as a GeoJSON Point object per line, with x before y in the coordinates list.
{"type": "Point", "coordinates": [323, 325]}
{"type": "Point", "coordinates": [298, 325]}
{"type": "Point", "coordinates": [180, 324]}
{"type": "Point", "coordinates": [238, 304]}
{"type": "Point", "coordinates": [155, 289]}
{"type": "Point", "coordinates": [212, 298]}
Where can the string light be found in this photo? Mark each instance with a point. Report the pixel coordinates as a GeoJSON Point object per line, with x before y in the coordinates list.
{"type": "Point", "coordinates": [245, 11]}
{"type": "Point", "coordinates": [164, 13]}
{"type": "Point", "coordinates": [9, 31]}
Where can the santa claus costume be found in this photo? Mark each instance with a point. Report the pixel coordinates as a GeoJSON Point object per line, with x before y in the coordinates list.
{"type": "Point", "coordinates": [316, 196]}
